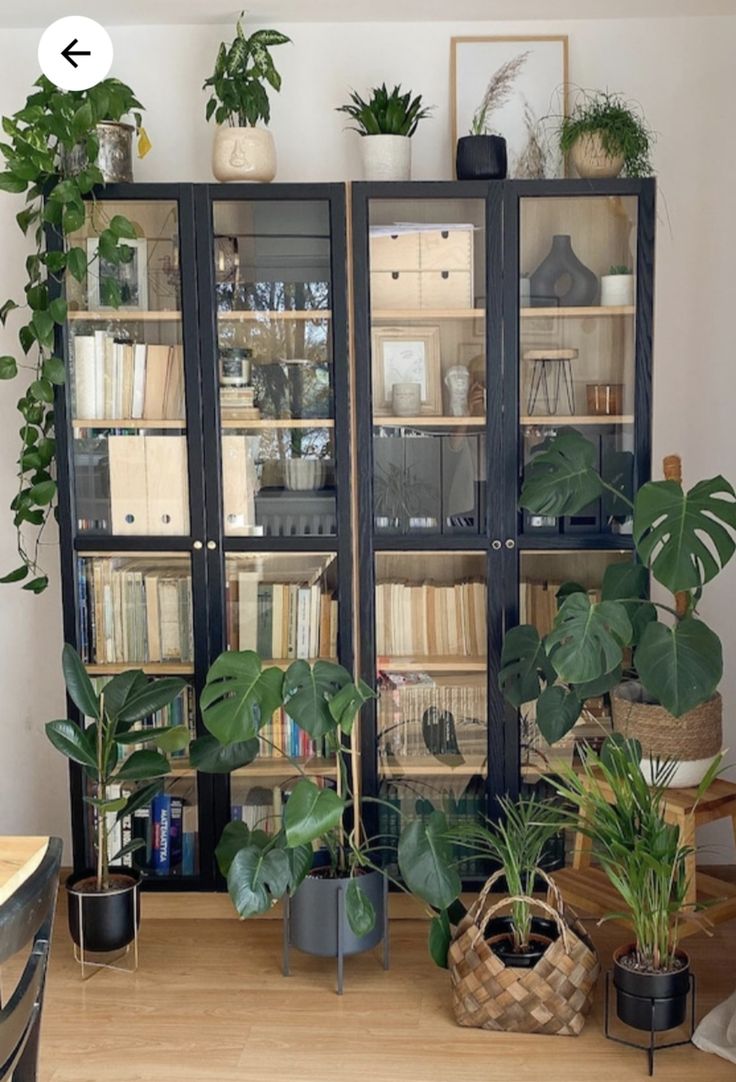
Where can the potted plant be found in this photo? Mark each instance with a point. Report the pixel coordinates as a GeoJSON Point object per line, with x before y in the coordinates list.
{"type": "Point", "coordinates": [617, 287]}
{"type": "Point", "coordinates": [659, 660]}
{"type": "Point", "coordinates": [386, 122]}
{"type": "Point", "coordinates": [113, 101]}
{"type": "Point", "coordinates": [605, 135]}
{"type": "Point", "coordinates": [243, 71]}
{"type": "Point", "coordinates": [481, 154]}
{"type": "Point", "coordinates": [644, 858]}
{"type": "Point", "coordinates": [340, 885]}
{"type": "Point", "coordinates": [103, 902]}
{"type": "Point", "coordinates": [40, 161]}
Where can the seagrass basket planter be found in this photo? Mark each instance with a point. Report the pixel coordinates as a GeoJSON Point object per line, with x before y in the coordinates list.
{"type": "Point", "coordinates": [553, 997]}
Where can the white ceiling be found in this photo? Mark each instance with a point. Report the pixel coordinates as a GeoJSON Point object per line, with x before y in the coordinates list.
{"type": "Point", "coordinates": [39, 13]}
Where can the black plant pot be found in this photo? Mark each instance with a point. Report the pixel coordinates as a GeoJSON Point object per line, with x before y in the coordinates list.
{"type": "Point", "coordinates": [500, 933]}
{"type": "Point", "coordinates": [109, 920]}
{"type": "Point", "coordinates": [651, 1001]}
{"type": "Point", "coordinates": [481, 157]}
{"type": "Point", "coordinates": [314, 915]}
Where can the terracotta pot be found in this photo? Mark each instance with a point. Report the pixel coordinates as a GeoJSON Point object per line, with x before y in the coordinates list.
{"type": "Point", "coordinates": [386, 157]}
{"type": "Point", "coordinates": [244, 154]}
{"type": "Point", "coordinates": [591, 160]}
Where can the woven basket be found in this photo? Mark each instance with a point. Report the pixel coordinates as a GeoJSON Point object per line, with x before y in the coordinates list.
{"type": "Point", "coordinates": [698, 734]}
{"type": "Point", "coordinates": [554, 997]}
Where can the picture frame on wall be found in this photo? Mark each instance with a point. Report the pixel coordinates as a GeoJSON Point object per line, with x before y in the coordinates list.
{"type": "Point", "coordinates": [523, 82]}
{"type": "Point", "coordinates": [132, 277]}
{"type": "Point", "coordinates": [406, 355]}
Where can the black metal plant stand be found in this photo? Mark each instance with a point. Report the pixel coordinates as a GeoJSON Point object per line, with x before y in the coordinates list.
{"type": "Point", "coordinates": [651, 1047]}
{"type": "Point", "coordinates": [551, 374]}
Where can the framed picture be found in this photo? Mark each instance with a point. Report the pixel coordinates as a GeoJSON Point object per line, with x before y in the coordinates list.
{"type": "Point", "coordinates": [132, 277]}
{"type": "Point", "coordinates": [515, 87]}
{"type": "Point", "coordinates": [406, 355]}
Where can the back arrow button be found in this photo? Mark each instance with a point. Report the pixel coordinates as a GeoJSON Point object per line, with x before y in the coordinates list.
{"type": "Point", "coordinates": [69, 55]}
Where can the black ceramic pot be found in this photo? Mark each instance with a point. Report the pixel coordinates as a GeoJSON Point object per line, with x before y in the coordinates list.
{"type": "Point", "coordinates": [650, 1001]}
{"type": "Point", "coordinates": [109, 920]}
{"type": "Point", "coordinates": [314, 915]}
{"type": "Point", "coordinates": [499, 932]}
{"type": "Point", "coordinates": [481, 157]}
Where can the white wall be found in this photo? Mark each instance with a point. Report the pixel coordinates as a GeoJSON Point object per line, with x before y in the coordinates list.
{"type": "Point", "coordinates": [681, 72]}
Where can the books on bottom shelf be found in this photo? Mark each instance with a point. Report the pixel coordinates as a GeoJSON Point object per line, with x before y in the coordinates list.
{"type": "Point", "coordinates": [280, 620]}
{"type": "Point", "coordinates": [538, 604]}
{"type": "Point", "coordinates": [116, 378]}
{"type": "Point", "coordinates": [168, 828]}
{"type": "Point", "coordinates": [135, 614]}
{"type": "Point", "coordinates": [431, 621]}
{"type": "Point", "coordinates": [149, 487]}
{"type": "Point", "coordinates": [263, 806]}
{"type": "Point", "coordinates": [238, 403]}
{"type": "Point", "coordinates": [422, 715]}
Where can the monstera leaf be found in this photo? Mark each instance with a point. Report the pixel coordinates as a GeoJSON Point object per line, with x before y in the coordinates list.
{"type": "Point", "coordinates": [629, 584]}
{"type": "Point", "coordinates": [557, 711]}
{"type": "Point", "coordinates": [359, 909]}
{"type": "Point", "coordinates": [524, 665]}
{"type": "Point", "coordinates": [685, 537]}
{"type": "Point", "coordinates": [308, 694]}
{"type": "Point", "coordinates": [562, 479]}
{"type": "Point", "coordinates": [680, 667]}
{"type": "Point", "coordinates": [256, 878]}
{"type": "Point", "coordinates": [426, 862]}
{"type": "Point", "coordinates": [311, 812]}
{"type": "Point", "coordinates": [345, 705]}
{"type": "Point", "coordinates": [617, 470]}
{"type": "Point", "coordinates": [588, 638]}
{"type": "Point", "coordinates": [240, 696]}
{"type": "Point", "coordinates": [209, 756]}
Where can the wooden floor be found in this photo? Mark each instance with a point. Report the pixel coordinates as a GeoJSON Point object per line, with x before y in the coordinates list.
{"type": "Point", "coordinates": [209, 1003]}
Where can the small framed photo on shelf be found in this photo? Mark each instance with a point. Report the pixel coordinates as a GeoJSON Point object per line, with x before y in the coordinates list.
{"type": "Point", "coordinates": [405, 357]}
{"type": "Point", "coordinates": [131, 277]}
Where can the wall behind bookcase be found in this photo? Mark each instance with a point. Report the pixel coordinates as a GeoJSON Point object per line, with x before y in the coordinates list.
{"type": "Point", "coordinates": [679, 68]}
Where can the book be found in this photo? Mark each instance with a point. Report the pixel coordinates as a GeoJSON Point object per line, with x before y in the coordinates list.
{"type": "Point", "coordinates": [157, 369]}
{"type": "Point", "coordinates": [429, 620]}
{"type": "Point", "coordinates": [85, 372]}
{"type": "Point", "coordinates": [161, 834]}
{"type": "Point", "coordinates": [248, 610]}
{"type": "Point", "coordinates": [190, 828]}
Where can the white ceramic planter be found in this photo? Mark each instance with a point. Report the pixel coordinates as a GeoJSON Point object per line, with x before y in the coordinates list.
{"type": "Point", "coordinates": [617, 290]}
{"type": "Point", "coordinates": [386, 157]}
{"type": "Point", "coordinates": [591, 160]}
{"type": "Point", "coordinates": [304, 474]}
{"type": "Point", "coordinates": [687, 774]}
{"type": "Point", "coordinates": [244, 154]}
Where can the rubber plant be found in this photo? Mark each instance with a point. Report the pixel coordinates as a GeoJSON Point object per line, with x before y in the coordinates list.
{"type": "Point", "coordinates": [683, 539]}
{"type": "Point", "coordinates": [102, 743]}
{"type": "Point", "coordinates": [39, 136]}
{"type": "Point", "coordinates": [239, 699]}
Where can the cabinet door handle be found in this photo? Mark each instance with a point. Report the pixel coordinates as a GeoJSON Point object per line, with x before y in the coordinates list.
{"type": "Point", "coordinates": [197, 545]}
{"type": "Point", "coordinates": [510, 543]}
{"type": "Point", "coordinates": [496, 544]}
{"type": "Point", "coordinates": [212, 545]}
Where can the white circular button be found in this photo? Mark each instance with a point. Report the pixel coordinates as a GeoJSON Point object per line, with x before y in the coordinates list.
{"type": "Point", "coordinates": [75, 52]}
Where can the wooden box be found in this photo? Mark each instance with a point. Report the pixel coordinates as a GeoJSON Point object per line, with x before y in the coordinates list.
{"type": "Point", "coordinates": [396, 289]}
{"type": "Point", "coordinates": [427, 268]}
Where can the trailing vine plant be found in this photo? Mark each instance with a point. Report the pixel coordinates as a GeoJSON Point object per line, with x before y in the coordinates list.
{"type": "Point", "coordinates": [40, 137]}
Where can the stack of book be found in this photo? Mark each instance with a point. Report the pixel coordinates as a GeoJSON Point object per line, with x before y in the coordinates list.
{"type": "Point", "coordinates": [120, 379]}
{"type": "Point", "coordinates": [169, 828]}
{"type": "Point", "coordinates": [416, 799]}
{"type": "Point", "coordinates": [539, 604]}
{"type": "Point", "coordinates": [238, 404]}
{"type": "Point", "coordinates": [283, 733]}
{"type": "Point", "coordinates": [431, 621]}
{"type": "Point", "coordinates": [135, 613]}
{"type": "Point", "coordinates": [280, 619]}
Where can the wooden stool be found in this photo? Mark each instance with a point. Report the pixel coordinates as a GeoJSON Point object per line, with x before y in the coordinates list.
{"type": "Point", "coordinates": [587, 887]}
{"type": "Point", "coordinates": [551, 371]}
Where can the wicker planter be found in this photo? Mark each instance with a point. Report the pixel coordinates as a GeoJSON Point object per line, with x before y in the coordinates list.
{"type": "Point", "coordinates": [553, 997]}
{"type": "Point", "coordinates": [693, 740]}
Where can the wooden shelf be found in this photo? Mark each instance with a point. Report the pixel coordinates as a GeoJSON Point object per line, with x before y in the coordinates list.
{"type": "Point", "coordinates": [269, 768]}
{"type": "Point", "coordinates": [588, 312]}
{"type": "Point", "coordinates": [285, 662]}
{"type": "Point", "coordinates": [126, 554]}
{"type": "Point", "coordinates": [265, 422]}
{"type": "Point", "coordinates": [122, 315]}
{"type": "Point", "coordinates": [545, 420]}
{"type": "Point", "coordinates": [128, 422]}
{"type": "Point", "coordinates": [426, 313]}
{"type": "Point", "coordinates": [313, 315]}
{"type": "Point", "coordinates": [429, 422]}
{"type": "Point", "coordinates": [431, 664]}
{"type": "Point", "coordinates": [429, 767]}
{"type": "Point", "coordinates": [150, 668]}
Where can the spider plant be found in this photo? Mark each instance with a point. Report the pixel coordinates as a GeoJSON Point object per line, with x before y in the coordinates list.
{"type": "Point", "coordinates": [386, 113]}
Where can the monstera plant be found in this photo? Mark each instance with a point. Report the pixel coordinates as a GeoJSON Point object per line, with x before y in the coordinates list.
{"type": "Point", "coordinates": [667, 657]}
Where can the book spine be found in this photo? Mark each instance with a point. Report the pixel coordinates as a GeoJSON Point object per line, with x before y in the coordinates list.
{"type": "Point", "coordinates": [161, 824]}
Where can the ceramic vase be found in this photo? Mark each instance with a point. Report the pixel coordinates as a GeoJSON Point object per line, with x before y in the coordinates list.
{"type": "Point", "coordinates": [617, 290]}
{"type": "Point", "coordinates": [304, 474]}
{"type": "Point", "coordinates": [561, 279]}
{"type": "Point", "coordinates": [386, 157]}
{"type": "Point", "coordinates": [244, 154]}
{"type": "Point", "coordinates": [481, 157]}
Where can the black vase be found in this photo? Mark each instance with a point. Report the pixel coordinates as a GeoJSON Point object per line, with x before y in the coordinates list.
{"type": "Point", "coordinates": [481, 157]}
{"type": "Point", "coordinates": [651, 1001]}
{"type": "Point", "coordinates": [108, 920]}
{"type": "Point", "coordinates": [561, 279]}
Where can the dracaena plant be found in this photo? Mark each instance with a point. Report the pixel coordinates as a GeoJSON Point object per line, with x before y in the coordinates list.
{"type": "Point", "coordinates": [386, 112]}
{"type": "Point", "coordinates": [37, 162]}
{"type": "Point", "coordinates": [239, 699]}
{"type": "Point", "coordinates": [243, 70]}
{"type": "Point", "coordinates": [101, 744]}
{"type": "Point", "coordinates": [683, 539]}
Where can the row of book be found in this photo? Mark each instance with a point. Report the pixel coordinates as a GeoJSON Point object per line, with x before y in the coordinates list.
{"type": "Point", "coordinates": [135, 613]}
{"type": "Point", "coordinates": [283, 733]}
{"type": "Point", "coordinates": [431, 621]}
{"type": "Point", "coordinates": [422, 715]}
{"type": "Point", "coordinates": [280, 619]}
{"type": "Point", "coordinates": [182, 711]}
{"type": "Point", "coordinates": [119, 378]}
{"type": "Point", "coordinates": [168, 826]}
{"type": "Point", "coordinates": [262, 807]}
{"type": "Point", "coordinates": [539, 605]}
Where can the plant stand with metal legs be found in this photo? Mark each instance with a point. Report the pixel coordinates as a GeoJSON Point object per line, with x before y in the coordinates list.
{"type": "Point", "coordinates": [651, 1047]}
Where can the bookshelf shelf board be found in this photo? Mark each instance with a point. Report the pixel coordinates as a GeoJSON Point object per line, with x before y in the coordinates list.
{"type": "Point", "coordinates": [150, 668]}
{"type": "Point", "coordinates": [127, 554]}
{"type": "Point", "coordinates": [285, 662]}
{"type": "Point", "coordinates": [280, 422]}
{"type": "Point", "coordinates": [421, 314]}
{"type": "Point", "coordinates": [543, 420]}
{"type": "Point", "coordinates": [431, 664]}
{"type": "Point", "coordinates": [313, 315]}
{"type": "Point", "coordinates": [429, 422]}
{"type": "Point", "coordinates": [279, 768]}
{"type": "Point", "coordinates": [124, 315]}
{"type": "Point", "coordinates": [422, 768]}
{"type": "Point", "coordinates": [588, 312]}
{"type": "Point", "coordinates": [128, 422]}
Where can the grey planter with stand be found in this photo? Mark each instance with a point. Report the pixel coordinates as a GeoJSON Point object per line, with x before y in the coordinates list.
{"type": "Point", "coordinates": [315, 921]}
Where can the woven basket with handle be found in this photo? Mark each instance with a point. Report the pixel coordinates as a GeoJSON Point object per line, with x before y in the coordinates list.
{"type": "Point", "coordinates": [553, 997]}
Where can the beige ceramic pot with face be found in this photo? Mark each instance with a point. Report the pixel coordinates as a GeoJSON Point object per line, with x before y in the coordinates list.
{"type": "Point", "coordinates": [244, 154]}
{"type": "Point", "coordinates": [591, 159]}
